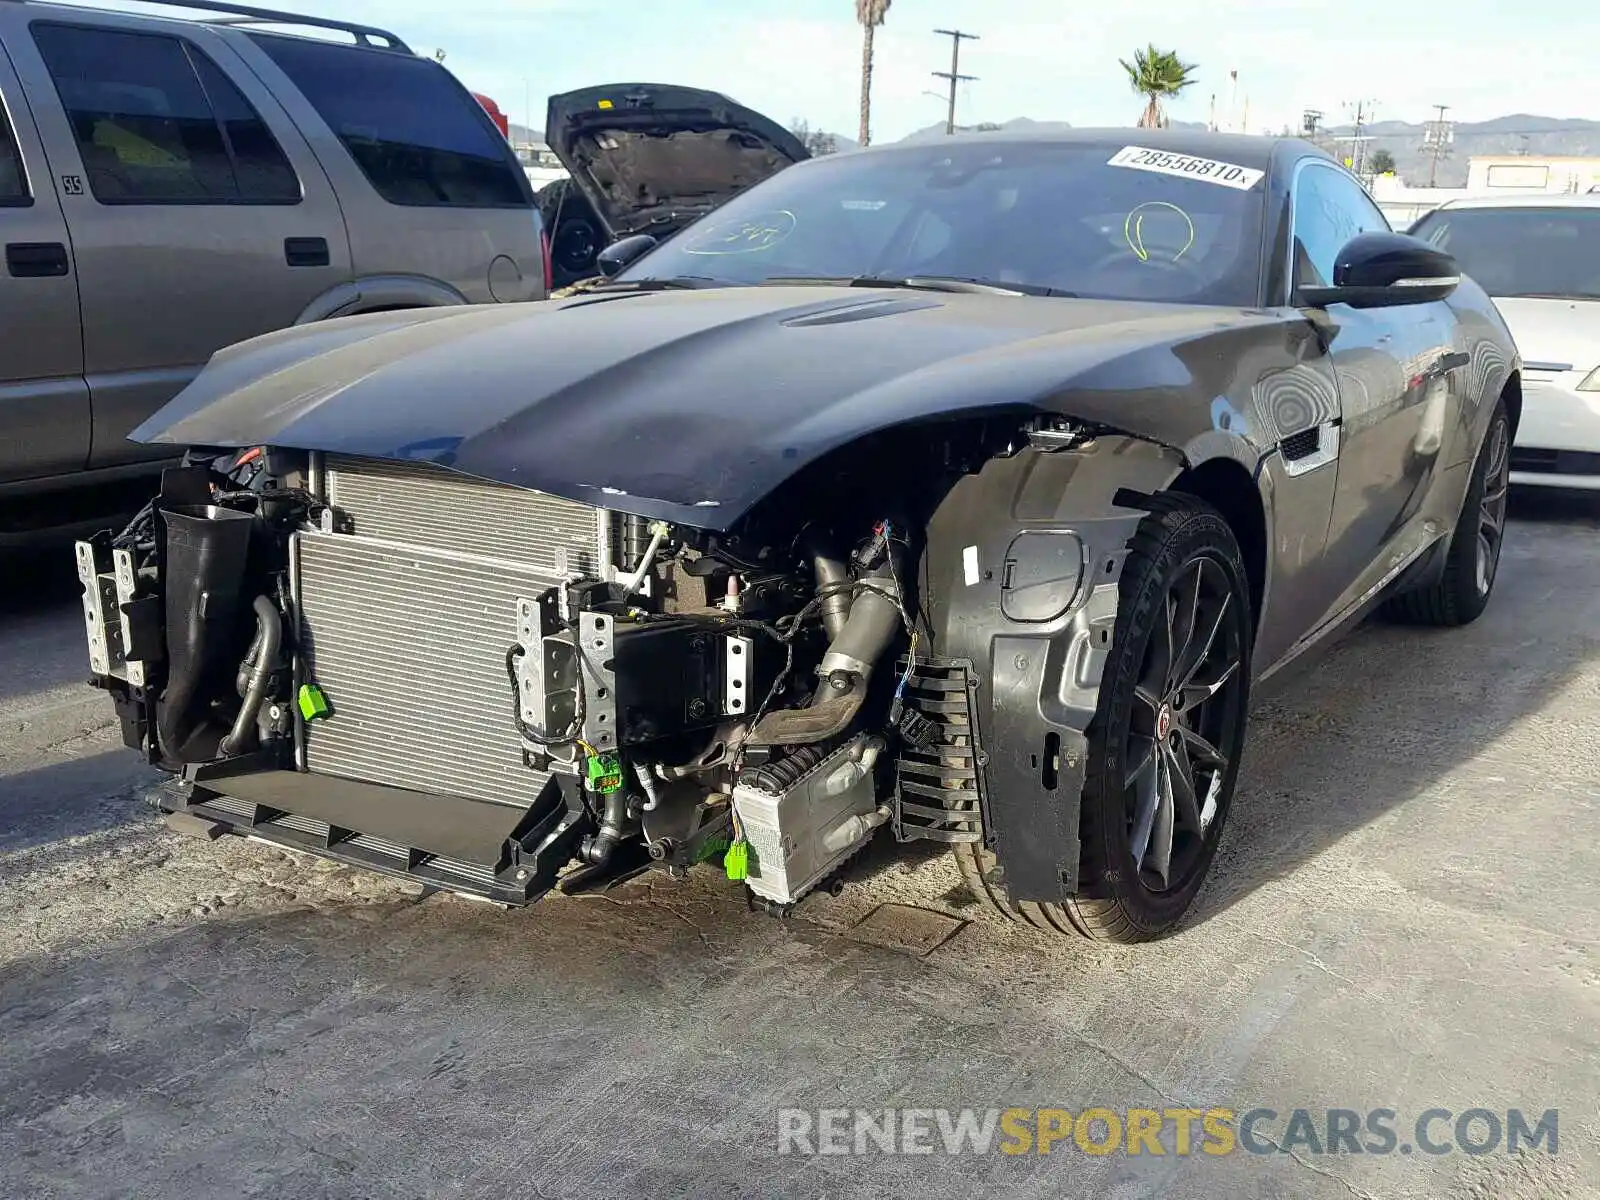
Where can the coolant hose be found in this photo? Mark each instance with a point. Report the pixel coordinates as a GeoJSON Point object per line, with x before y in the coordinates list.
{"type": "Point", "coordinates": [658, 534]}
{"type": "Point", "coordinates": [269, 637]}
{"type": "Point", "coordinates": [598, 849]}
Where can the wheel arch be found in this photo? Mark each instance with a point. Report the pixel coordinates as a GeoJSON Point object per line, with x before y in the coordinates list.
{"type": "Point", "coordinates": [1229, 486]}
{"type": "Point", "coordinates": [1511, 393]}
{"type": "Point", "coordinates": [380, 293]}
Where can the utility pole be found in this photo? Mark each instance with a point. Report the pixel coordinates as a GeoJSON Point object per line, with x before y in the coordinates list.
{"type": "Point", "coordinates": [954, 74]}
{"type": "Point", "coordinates": [1437, 135]}
{"type": "Point", "coordinates": [1309, 120]}
{"type": "Point", "coordinates": [1358, 151]}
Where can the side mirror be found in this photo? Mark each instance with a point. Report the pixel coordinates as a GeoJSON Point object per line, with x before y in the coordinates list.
{"type": "Point", "coordinates": [624, 253]}
{"type": "Point", "coordinates": [1376, 270]}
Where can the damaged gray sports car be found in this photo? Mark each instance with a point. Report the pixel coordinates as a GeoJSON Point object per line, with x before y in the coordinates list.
{"type": "Point", "coordinates": [957, 491]}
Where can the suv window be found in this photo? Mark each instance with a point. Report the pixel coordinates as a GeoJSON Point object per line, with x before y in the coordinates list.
{"type": "Point", "coordinates": [1330, 208]}
{"type": "Point", "coordinates": [157, 122]}
{"type": "Point", "coordinates": [416, 133]}
{"type": "Point", "coordinates": [13, 189]}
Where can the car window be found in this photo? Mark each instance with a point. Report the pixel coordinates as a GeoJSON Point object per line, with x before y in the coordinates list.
{"type": "Point", "coordinates": [13, 183]}
{"type": "Point", "coordinates": [1330, 208]}
{"type": "Point", "coordinates": [1522, 251]}
{"type": "Point", "coordinates": [150, 131]}
{"type": "Point", "coordinates": [416, 133]}
{"type": "Point", "coordinates": [258, 161]}
{"type": "Point", "coordinates": [1056, 215]}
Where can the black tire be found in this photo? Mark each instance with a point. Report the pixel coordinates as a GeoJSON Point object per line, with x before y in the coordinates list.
{"type": "Point", "coordinates": [1118, 898]}
{"type": "Point", "coordinates": [1473, 560]}
{"type": "Point", "coordinates": [576, 237]}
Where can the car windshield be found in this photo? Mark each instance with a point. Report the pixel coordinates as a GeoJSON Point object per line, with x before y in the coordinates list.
{"type": "Point", "coordinates": [1056, 217]}
{"type": "Point", "coordinates": [1517, 251]}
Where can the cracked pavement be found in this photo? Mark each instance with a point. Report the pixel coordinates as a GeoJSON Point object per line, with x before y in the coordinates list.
{"type": "Point", "coordinates": [1403, 915]}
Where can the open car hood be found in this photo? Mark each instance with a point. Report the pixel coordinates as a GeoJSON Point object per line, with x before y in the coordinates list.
{"type": "Point", "coordinates": [693, 406]}
{"type": "Point", "coordinates": [652, 157]}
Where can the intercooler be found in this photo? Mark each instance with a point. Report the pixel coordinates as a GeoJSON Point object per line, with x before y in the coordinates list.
{"type": "Point", "coordinates": [407, 606]}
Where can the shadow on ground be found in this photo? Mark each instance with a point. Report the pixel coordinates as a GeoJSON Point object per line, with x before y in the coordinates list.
{"type": "Point", "coordinates": [70, 799]}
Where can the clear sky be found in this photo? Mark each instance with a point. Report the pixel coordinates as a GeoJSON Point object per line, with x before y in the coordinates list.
{"type": "Point", "coordinates": [1046, 59]}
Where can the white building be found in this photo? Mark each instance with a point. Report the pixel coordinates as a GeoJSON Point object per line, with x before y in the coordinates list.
{"type": "Point", "coordinates": [1558, 174]}
{"type": "Point", "coordinates": [1489, 175]}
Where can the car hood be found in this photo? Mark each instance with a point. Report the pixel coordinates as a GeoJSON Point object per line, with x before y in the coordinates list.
{"type": "Point", "coordinates": [652, 157]}
{"type": "Point", "coordinates": [1551, 332]}
{"type": "Point", "coordinates": [692, 406]}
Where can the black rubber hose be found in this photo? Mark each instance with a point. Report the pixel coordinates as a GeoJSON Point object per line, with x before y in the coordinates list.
{"type": "Point", "coordinates": [611, 832]}
{"type": "Point", "coordinates": [269, 638]}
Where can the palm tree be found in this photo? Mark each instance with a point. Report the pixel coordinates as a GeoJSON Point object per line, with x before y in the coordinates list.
{"type": "Point", "coordinates": [1156, 74]}
{"type": "Point", "coordinates": [870, 13]}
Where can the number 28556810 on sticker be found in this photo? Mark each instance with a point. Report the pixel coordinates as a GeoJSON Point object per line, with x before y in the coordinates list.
{"type": "Point", "coordinates": [1186, 166]}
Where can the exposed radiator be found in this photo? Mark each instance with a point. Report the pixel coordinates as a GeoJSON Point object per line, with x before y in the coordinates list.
{"type": "Point", "coordinates": [407, 617]}
{"type": "Point", "coordinates": [424, 505]}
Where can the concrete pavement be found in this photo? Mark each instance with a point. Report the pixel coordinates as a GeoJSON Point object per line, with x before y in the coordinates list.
{"type": "Point", "coordinates": [1403, 916]}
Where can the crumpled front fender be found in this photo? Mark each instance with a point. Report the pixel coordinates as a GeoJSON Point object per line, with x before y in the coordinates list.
{"type": "Point", "coordinates": [1021, 576]}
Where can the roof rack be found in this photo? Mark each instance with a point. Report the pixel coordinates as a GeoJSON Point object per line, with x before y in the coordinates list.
{"type": "Point", "coordinates": [244, 14]}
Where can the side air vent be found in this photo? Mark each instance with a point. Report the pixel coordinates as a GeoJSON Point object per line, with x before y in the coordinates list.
{"type": "Point", "coordinates": [1301, 445]}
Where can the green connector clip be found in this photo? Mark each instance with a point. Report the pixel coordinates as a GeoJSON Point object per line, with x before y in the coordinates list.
{"type": "Point", "coordinates": [603, 773]}
{"type": "Point", "coordinates": [313, 704]}
{"type": "Point", "coordinates": [737, 861]}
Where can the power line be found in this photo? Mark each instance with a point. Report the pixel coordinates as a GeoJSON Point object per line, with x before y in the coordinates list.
{"type": "Point", "coordinates": [954, 74]}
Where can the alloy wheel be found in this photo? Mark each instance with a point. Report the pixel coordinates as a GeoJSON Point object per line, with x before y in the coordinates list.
{"type": "Point", "coordinates": [1492, 507]}
{"type": "Point", "coordinates": [1187, 706]}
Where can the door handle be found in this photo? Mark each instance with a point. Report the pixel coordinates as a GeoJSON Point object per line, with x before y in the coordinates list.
{"type": "Point", "coordinates": [36, 260]}
{"type": "Point", "coordinates": [306, 251]}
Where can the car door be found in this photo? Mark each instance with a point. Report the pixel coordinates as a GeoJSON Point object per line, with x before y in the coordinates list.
{"type": "Point", "coordinates": [196, 221]}
{"type": "Point", "coordinates": [44, 401]}
{"type": "Point", "coordinates": [1395, 369]}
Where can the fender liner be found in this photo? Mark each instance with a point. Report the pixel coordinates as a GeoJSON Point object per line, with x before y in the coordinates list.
{"type": "Point", "coordinates": [1038, 681]}
{"type": "Point", "coordinates": [380, 291]}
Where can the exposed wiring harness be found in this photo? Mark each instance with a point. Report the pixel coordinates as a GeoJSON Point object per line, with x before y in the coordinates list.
{"type": "Point", "coordinates": [571, 736]}
{"type": "Point", "coordinates": [784, 630]}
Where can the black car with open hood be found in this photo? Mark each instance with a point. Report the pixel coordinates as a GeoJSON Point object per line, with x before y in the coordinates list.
{"type": "Point", "coordinates": [961, 492]}
{"type": "Point", "coordinates": [649, 158]}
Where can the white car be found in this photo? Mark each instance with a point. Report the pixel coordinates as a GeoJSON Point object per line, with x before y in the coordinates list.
{"type": "Point", "coordinates": [1538, 256]}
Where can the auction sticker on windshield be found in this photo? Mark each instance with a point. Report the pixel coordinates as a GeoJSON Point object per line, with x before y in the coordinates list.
{"type": "Point", "coordinates": [1187, 166]}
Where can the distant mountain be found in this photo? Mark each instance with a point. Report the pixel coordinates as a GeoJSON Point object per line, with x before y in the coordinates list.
{"type": "Point", "coordinates": [1519, 133]}
{"type": "Point", "coordinates": [933, 133]}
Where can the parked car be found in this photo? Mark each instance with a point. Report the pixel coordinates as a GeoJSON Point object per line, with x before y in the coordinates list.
{"type": "Point", "coordinates": [965, 489]}
{"type": "Point", "coordinates": [648, 158]}
{"type": "Point", "coordinates": [1539, 257]}
{"type": "Point", "coordinates": [170, 186]}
